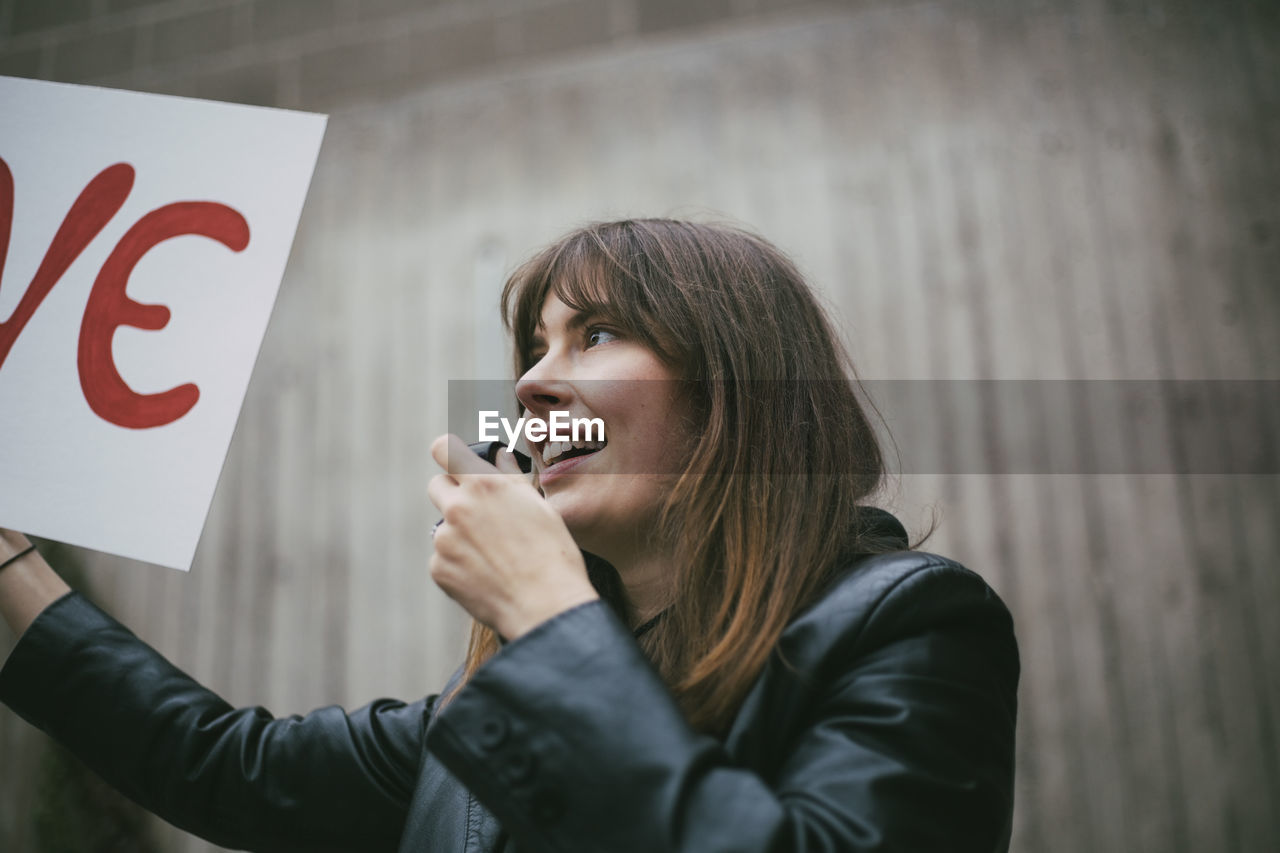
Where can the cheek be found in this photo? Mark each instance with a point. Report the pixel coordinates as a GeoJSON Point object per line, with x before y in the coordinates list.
{"type": "Point", "coordinates": [646, 439]}
{"type": "Point", "coordinates": [665, 432]}
{"type": "Point", "coordinates": [652, 448]}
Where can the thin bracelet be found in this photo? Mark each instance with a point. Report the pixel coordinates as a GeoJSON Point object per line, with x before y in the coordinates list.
{"type": "Point", "coordinates": [16, 557]}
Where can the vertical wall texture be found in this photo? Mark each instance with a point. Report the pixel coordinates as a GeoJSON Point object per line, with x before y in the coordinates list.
{"type": "Point", "coordinates": [1075, 189]}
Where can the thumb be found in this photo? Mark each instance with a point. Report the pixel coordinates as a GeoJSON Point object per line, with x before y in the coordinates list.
{"type": "Point", "coordinates": [505, 461]}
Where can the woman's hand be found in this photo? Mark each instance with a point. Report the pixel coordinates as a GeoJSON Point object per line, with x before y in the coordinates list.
{"type": "Point", "coordinates": [501, 552]}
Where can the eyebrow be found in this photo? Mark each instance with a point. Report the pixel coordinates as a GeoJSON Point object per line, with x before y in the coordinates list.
{"type": "Point", "coordinates": [583, 318]}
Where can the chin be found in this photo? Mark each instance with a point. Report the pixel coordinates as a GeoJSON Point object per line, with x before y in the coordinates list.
{"type": "Point", "coordinates": [582, 518]}
{"type": "Point", "coordinates": [571, 511]}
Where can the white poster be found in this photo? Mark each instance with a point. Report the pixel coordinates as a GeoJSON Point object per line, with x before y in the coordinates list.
{"type": "Point", "coordinates": [142, 242]}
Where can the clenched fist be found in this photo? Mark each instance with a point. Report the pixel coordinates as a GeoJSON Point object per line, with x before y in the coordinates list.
{"type": "Point", "coordinates": [501, 552]}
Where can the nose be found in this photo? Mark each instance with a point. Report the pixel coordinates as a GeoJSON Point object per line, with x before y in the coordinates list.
{"type": "Point", "coordinates": [539, 391]}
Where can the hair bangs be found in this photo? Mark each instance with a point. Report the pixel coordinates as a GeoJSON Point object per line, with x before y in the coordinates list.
{"type": "Point", "coordinates": [599, 270]}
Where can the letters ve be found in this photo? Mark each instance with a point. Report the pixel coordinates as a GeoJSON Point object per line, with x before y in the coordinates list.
{"type": "Point", "coordinates": [109, 307]}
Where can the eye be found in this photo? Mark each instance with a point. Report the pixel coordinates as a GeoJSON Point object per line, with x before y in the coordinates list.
{"type": "Point", "coordinates": [597, 335]}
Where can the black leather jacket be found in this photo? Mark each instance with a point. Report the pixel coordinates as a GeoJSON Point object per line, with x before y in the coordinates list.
{"type": "Point", "coordinates": [885, 722]}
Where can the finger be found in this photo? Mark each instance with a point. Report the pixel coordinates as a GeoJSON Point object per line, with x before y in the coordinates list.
{"type": "Point", "coordinates": [440, 451]}
{"type": "Point", "coordinates": [505, 461]}
{"type": "Point", "coordinates": [452, 454]}
{"type": "Point", "coordinates": [443, 491]}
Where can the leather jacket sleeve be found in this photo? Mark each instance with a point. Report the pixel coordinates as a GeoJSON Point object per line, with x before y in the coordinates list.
{"type": "Point", "coordinates": [899, 736]}
{"type": "Point", "coordinates": [329, 781]}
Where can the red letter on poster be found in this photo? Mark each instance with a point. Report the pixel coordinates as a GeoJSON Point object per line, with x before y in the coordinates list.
{"type": "Point", "coordinates": [110, 307]}
{"type": "Point", "coordinates": [91, 211]}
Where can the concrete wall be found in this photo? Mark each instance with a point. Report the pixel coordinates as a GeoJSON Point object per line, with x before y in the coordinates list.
{"type": "Point", "coordinates": [995, 190]}
{"type": "Point", "coordinates": [319, 54]}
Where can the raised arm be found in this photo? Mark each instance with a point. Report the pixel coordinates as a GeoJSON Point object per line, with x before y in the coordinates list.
{"type": "Point", "coordinates": [329, 781]}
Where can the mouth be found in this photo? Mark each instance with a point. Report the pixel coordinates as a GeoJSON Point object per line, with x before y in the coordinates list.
{"type": "Point", "coordinates": [559, 456]}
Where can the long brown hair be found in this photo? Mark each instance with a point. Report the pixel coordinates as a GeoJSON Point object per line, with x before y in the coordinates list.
{"type": "Point", "coordinates": [784, 452]}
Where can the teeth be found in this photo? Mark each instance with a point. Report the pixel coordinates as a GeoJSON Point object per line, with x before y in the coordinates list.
{"type": "Point", "coordinates": [555, 449]}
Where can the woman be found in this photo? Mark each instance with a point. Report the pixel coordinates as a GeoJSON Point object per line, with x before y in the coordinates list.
{"type": "Point", "coordinates": [751, 662]}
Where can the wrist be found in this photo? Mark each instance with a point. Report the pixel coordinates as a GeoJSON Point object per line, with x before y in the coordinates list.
{"type": "Point", "coordinates": [27, 584]}
{"type": "Point", "coordinates": [533, 614]}
{"type": "Point", "coordinates": [17, 557]}
{"type": "Point", "coordinates": [12, 542]}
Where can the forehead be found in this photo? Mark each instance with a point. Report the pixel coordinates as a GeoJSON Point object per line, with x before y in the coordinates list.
{"type": "Point", "coordinates": [554, 314]}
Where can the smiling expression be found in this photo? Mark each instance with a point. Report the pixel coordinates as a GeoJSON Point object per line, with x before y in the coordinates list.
{"type": "Point", "coordinates": [608, 497]}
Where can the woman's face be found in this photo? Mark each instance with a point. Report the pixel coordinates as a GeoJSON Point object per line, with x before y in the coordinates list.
{"type": "Point", "coordinates": [608, 498]}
